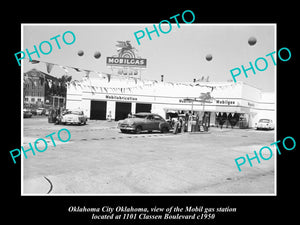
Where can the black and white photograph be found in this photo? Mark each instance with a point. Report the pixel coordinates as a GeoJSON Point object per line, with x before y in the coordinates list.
{"type": "Point", "coordinates": [149, 113]}
{"type": "Point", "coordinates": [148, 116]}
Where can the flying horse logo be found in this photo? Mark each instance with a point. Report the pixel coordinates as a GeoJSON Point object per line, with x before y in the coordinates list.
{"type": "Point", "coordinates": [126, 51]}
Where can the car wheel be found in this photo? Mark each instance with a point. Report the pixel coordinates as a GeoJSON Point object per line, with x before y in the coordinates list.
{"type": "Point", "coordinates": [165, 130]}
{"type": "Point", "coordinates": [138, 129]}
{"type": "Point", "coordinates": [123, 131]}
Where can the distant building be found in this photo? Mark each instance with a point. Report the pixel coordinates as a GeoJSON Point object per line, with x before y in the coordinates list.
{"type": "Point", "coordinates": [40, 89]}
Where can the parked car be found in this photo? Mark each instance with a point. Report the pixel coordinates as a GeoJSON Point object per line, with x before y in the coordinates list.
{"type": "Point", "coordinates": [27, 113]}
{"type": "Point", "coordinates": [40, 111]}
{"type": "Point", "coordinates": [72, 117]}
{"type": "Point", "coordinates": [144, 121]}
{"type": "Point", "coordinates": [265, 124]}
{"type": "Point", "coordinates": [33, 112]}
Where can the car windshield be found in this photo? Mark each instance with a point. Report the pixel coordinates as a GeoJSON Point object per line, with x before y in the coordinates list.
{"type": "Point", "coordinates": [74, 112]}
{"type": "Point", "coordinates": [264, 121]}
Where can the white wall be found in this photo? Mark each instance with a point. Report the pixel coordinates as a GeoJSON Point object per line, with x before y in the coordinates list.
{"type": "Point", "coordinates": [266, 109]}
{"type": "Point", "coordinates": [165, 96]}
{"type": "Point", "coordinates": [111, 107]}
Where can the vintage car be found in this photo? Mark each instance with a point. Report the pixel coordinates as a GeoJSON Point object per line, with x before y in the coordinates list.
{"type": "Point", "coordinates": [265, 124]}
{"type": "Point", "coordinates": [144, 122]}
{"type": "Point", "coordinates": [27, 113]}
{"type": "Point", "coordinates": [72, 117]}
{"type": "Point", "coordinates": [40, 111]}
{"type": "Point", "coordinates": [33, 112]}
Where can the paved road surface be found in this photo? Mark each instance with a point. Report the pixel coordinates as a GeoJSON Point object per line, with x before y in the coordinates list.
{"type": "Point", "coordinates": [99, 159]}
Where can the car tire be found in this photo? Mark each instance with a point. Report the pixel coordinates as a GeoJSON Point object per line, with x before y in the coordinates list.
{"type": "Point", "coordinates": [138, 129]}
{"type": "Point", "coordinates": [164, 129]}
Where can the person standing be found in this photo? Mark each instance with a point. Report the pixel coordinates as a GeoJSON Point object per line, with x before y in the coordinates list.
{"type": "Point", "coordinates": [176, 127]}
{"type": "Point", "coordinates": [205, 120]}
{"type": "Point", "coordinates": [55, 115]}
{"type": "Point", "coordinates": [222, 121]}
{"type": "Point", "coordinates": [109, 116]}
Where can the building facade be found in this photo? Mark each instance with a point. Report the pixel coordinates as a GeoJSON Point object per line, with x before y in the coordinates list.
{"type": "Point", "coordinates": [115, 96]}
{"type": "Point", "coordinates": [39, 89]}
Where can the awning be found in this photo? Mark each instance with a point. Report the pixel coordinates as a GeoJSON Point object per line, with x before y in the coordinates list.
{"type": "Point", "coordinates": [228, 109]}
{"type": "Point", "coordinates": [231, 109]}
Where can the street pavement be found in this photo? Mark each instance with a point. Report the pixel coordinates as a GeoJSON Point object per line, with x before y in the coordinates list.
{"type": "Point", "coordinates": [99, 159]}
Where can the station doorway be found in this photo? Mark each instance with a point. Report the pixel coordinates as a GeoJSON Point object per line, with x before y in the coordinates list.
{"type": "Point", "coordinates": [98, 110]}
{"type": "Point", "coordinates": [143, 107]}
{"type": "Point", "coordinates": [122, 110]}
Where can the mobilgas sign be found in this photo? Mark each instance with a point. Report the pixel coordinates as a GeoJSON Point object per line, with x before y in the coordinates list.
{"type": "Point", "coordinates": [119, 61]}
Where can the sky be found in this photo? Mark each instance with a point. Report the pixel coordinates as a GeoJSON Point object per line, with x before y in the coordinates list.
{"type": "Point", "coordinates": [179, 55]}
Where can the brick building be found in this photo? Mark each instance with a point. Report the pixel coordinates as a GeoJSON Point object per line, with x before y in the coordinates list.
{"type": "Point", "coordinates": [41, 89]}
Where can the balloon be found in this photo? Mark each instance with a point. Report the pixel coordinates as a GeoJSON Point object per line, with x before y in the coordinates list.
{"type": "Point", "coordinates": [208, 57]}
{"type": "Point", "coordinates": [80, 53]}
{"type": "Point", "coordinates": [252, 41]}
{"type": "Point", "coordinates": [97, 55]}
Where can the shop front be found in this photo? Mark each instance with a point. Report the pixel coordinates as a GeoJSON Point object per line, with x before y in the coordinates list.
{"type": "Point", "coordinates": [123, 109]}
{"type": "Point", "coordinates": [229, 104]}
{"type": "Point", "coordinates": [98, 110]}
{"type": "Point", "coordinates": [213, 116]}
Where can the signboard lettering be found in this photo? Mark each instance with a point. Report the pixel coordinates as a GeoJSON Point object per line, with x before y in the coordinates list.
{"type": "Point", "coordinates": [119, 61]}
